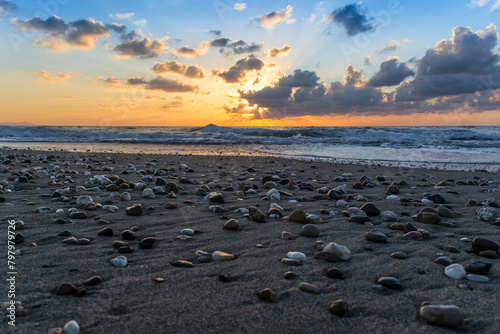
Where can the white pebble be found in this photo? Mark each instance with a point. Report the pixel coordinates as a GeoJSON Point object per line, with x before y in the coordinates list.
{"type": "Point", "coordinates": [71, 327]}
{"type": "Point", "coordinates": [393, 198]}
{"type": "Point", "coordinates": [119, 261]}
{"type": "Point", "coordinates": [477, 278]}
{"type": "Point", "coordinates": [296, 256]}
{"type": "Point", "coordinates": [455, 271]}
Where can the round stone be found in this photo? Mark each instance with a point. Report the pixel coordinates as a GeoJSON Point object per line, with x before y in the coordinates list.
{"type": "Point", "coordinates": [479, 268]}
{"type": "Point", "coordinates": [390, 282]}
{"type": "Point", "coordinates": [388, 216]}
{"type": "Point", "coordinates": [296, 256]}
{"type": "Point", "coordinates": [119, 261]}
{"type": "Point", "coordinates": [310, 230]}
{"type": "Point", "coordinates": [413, 235]}
{"type": "Point", "coordinates": [297, 216]}
{"type": "Point", "coordinates": [477, 278]}
{"type": "Point", "coordinates": [147, 243]}
{"type": "Point", "coordinates": [428, 218]}
{"type": "Point", "coordinates": [334, 273]}
{"type": "Point", "coordinates": [376, 236]}
{"type": "Point", "coordinates": [290, 275]}
{"type": "Point", "coordinates": [134, 210]}
{"type": "Point", "coordinates": [125, 249]}
{"type": "Point", "coordinates": [106, 232]}
{"type": "Point", "coordinates": [268, 295]}
{"type": "Point", "coordinates": [93, 281]}
{"type": "Point", "coordinates": [311, 288]}
{"type": "Point", "coordinates": [231, 224]}
{"type": "Point", "coordinates": [370, 209]}
{"type": "Point", "coordinates": [171, 206]}
{"type": "Point", "coordinates": [287, 235]}
{"type": "Point", "coordinates": [481, 244]}
{"type": "Point", "coordinates": [65, 289]}
{"type": "Point", "coordinates": [339, 307]}
{"type": "Point", "coordinates": [256, 215]}
{"type": "Point", "coordinates": [442, 315]}
{"type": "Point", "coordinates": [399, 255]}
{"type": "Point", "coordinates": [128, 235]}
{"type": "Point", "coordinates": [341, 252]}
{"type": "Point", "coordinates": [455, 271]}
{"type": "Point", "coordinates": [444, 260]}
{"type": "Point", "coordinates": [216, 198]}
{"type": "Point", "coordinates": [291, 262]}
{"type": "Point", "coordinates": [444, 212]}
{"type": "Point", "coordinates": [221, 256]}
{"type": "Point", "coordinates": [71, 327]}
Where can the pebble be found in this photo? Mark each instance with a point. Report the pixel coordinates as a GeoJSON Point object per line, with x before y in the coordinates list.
{"type": "Point", "coordinates": [297, 216]}
{"type": "Point", "coordinates": [370, 209]}
{"type": "Point", "coordinates": [311, 288]}
{"type": "Point", "coordinates": [106, 232]}
{"type": "Point", "coordinates": [231, 224]}
{"type": "Point", "coordinates": [65, 289]}
{"type": "Point", "coordinates": [451, 249]}
{"type": "Point", "coordinates": [376, 236]}
{"type": "Point", "coordinates": [70, 240]}
{"type": "Point", "coordinates": [481, 244]}
{"type": "Point", "coordinates": [442, 315]}
{"type": "Point", "coordinates": [290, 275]}
{"type": "Point", "coordinates": [125, 197]}
{"type": "Point", "coordinates": [479, 267]}
{"type": "Point", "coordinates": [428, 218]}
{"type": "Point", "coordinates": [319, 245]}
{"type": "Point", "coordinates": [313, 219]}
{"type": "Point", "coordinates": [341, 252]}
{"type": "Point", "coordinates": [273, 194]}
{"type": "Point", "coordinates": [128, 235]}
{"type": "Point", "coordinates": [388, 216]}
{"type": "Point", "coordinates": [489, 254]}
{"type": "Point", "coordinates": [334, 273]}
{"type": "Point", "coordinates": [393, 198]}
{"type": "Point", "coordinates": [216, 198]}
{"type": "Point", "coordinates": [296, 256]}
{"type": "Point", "coordinates": [455, 271]}
{"type": "Point", "coordinates": [487, 214]}
{"type": "Point", "coordinates": [182, 264]}
{"type": "Point", "coordinates": [287, 235]}
{"type": "Point", "coordinates": [187, 231]}
{"type": "Point", "coordinates": [126, 249]}
{"type": "Point", "coordinates": [399, 255]}
{"type": "Point", "coordinates": [413, 235]}
{"type": "Point", "coordinates": [93, 281]}
{"type": "Point", "coordinates": [147, 243]}
{"type": "Point", "coordinates": [78, 215]}
{"type": "Point", "coordinates": [339, 307]}
{"type": "Point", "coordinates": [82, 241]}
{"type": "Point", "coordinates": [83, 201]}
{"type": "Point", "coordinates": [221, 256]}
{"type": "Point", "coordinates": [171, 206]}
{"type": "Point", "coordinates": [291, 262]}
{"type": "Point", "coordinates": [477, 278]}
{"type": "Point", "coordinates": [310, 231]}
{"type": "Point", "coordinates": [18, 238]}
{"type": "Point", "coordinates": [444, 212]}
{"type": "Point", "coordinates": [268, 295]}
{"type": "Point", "coordinates": [148, 193]}
{"type": "Point", "coordinates": [71, 327]}
{"type": "Point", "coordinates": [119, 243]}
{"type": "Point", "coordinates": [390, 282]}
{"type": "Point", "coordinates": [119, 261]}
{"type": "Point", "coordinates": [444, 260]}
{"type": "Point", "coordinates": [134, 210]}
{"type": "Point", "coordinates": [256, 215]}
{"type": "Point", "coordinates": [397, 227]}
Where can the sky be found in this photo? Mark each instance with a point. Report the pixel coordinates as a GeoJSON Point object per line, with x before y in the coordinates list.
{"type": "Point", "coordinates": [254, 63]}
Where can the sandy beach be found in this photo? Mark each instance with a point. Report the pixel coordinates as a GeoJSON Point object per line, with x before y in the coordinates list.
{"type": "Point", "coordinates": [169, 288]}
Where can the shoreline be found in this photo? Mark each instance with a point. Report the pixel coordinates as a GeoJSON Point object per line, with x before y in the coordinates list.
{"type": "Point", "coordinates": [155, 293]}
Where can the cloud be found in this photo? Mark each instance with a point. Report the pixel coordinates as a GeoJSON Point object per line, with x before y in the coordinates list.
{"type": "Point", "coordinates": [189, 52]}
{"type": "Point", "coordinates": [464, 64]}
{"type": "Point", "coordinates": [394, 45]}
{"type": "Point", "coordinates": [173, 104]}
{"type": "Point", "coordinates": [71, 97]}
{"type": "Point", "coordinates": [495, 6]}
{"type": "Point", "coordinates": [112, 81]}
{"type": "Point", "coordinates": [215, 32]}
{"type": "Point", "coordinates": [63, 35]}
{"type": "Point", "coordinates": [162, 84]}
{"type": "Point", "coordinates": [478, 3]}
{"type": "Point", "coordinates": [238, 72]}
{"type": "Point", "coordinates": [238, 47]}
{"type": "Point", "coordinates": [367, 61]}
{"type": "Point", "coordinates": [269, 20]}
{"type": "Point", "coordinates": [6, 7]}
{"type": "Point", "coordinates": [353, 18]}
{"type": "Point", "coordinates": [121, 16]}
{"type": "Point", "coordinates": [240, 6]}
{"type": "Point", "coordinates": [56, 77]}
{"type": "Point", "coordinates": [275, 52]}
{"type": "Point", "coordinates": [191, 71]}
{"type": "Point", "coordinates": [141, 22]}
{"type": "Point", "coordinates": [143, 48]}
{"type": "Point", "coordinates": [391, 73]}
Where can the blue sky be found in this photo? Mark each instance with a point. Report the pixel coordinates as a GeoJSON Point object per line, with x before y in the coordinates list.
{"type": "Point", "coordinates": [326, 65]}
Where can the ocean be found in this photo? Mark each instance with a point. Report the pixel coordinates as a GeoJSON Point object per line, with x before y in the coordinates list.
{"type": "Point", "coordinates": [468, 147]}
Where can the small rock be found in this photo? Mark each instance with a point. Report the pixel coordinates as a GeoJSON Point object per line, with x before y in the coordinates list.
{"type": "Point", "coordinates": [388, 216]}
{"type": "Point", "coordinates": [134, 210]}
{"type": "Point", "coordinates": [106, 232]}
{"type": "Point", "coordinates": [231, 224]}
{"type": "Point", "coordinates": [82, 241]}
{"type": "Point", "coordinates": [479, 268]}
{"type": "Point", "coordinates": [444, 212]}
{"type": "Point", "coordinates": [93, 281]}
{"type": "Point", "coordinates": [370, 209]}
{"type": "Point", "coordinates": [390, 282]}
{"type": "Point", "coordinates": [78, 215]}
{"type": "Point", "coordinates": [399, 255]}
{"type": "Point", "coordinates": [451, 249]}
{"type": "Point", "coordinates": [428, 218]}
{"type": "Point", "coordinates": [287, 235]}
{"type": "Point", "coordinates": [126, 249]}
{"type": "Point", "coordinates": [413, 235]}
{"type": "Point", "coordinates": [128, 235]}
{"type": "Point", "coordinates": [297, 216]}
{"type": "Point", "coordinates": [455, 271]}
{"type": "Point", "coordinates": [182, 264]}
{"type": "Point", "coordinates": [342, 252]}
{"type": "Point", "coordinates": [171, 206]}
{"type": "Point", "coordinates": [309, 288]}
{"type": "Point", "coordinates": [119, 261]}
{"type": "Point", "coordinates": [477, 278]}
{"type": "Point", "coordinates": [310, 230]}
{"type": "Point", "coordinates": [481, 244]}
{"type": "Point", "coordinates": [442, 315]}
{"type": "Point", "coordinates": [296, 256]}
{"type": "Point", "coordinates": [71, 327]}
{"type": "Point", "coordinates": [216, 198]}
{"type": "Point", "coordinates": [256, 215]}
{"type": "Point", "coordinates": [291, 262]}
{"type": "Point", "coordinates": [268, 295]}
{"type": "Point", "coordinates": [334, 273]}
{"type": "Point", "coordinates": [290, 275]}
{"type": "Point", "coordinates": [221, 256]}
{"type": "Point", "coordinates": [326, 256]}
{"type": "Point", "coordinates": [147, 243]}
{"type": "Point", "coordinates": [443, 260]}
{"type": "Point", "coordinates": [489, 254]}
{"type": "Point", "coordinates": [65, 289]}
{"type": "Point", "coordinates": [376, 236]}
{"type": "Point", "coordinates": [83, 201]}
{"type": "Point", "coordinates": [339, 307]}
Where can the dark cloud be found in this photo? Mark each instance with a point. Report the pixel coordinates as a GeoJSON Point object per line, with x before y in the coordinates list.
{"type": "Point", "coordinates": [112, 81]}
{"type": "Point", "coordinates": [353, 18]}
{"type": "Point", "coordinates": [391, 73]}
{"type": "Point", "coordinates": [165, 85]}
{"type": "Point", "coordinates": [275, 52]}
{"type": "Point", "coordinates": [300, 78]}
{"type": "Point", "coordinates": [188, 52]}
{"type": "Point", "coordinates": [237, 47]}
{"type": "Point", "coordinates": [191, 71]}
{"type": "Point", "coordinates": [6, 7]}
{"type": "Point", "coordinates": [238, 72]}
{"type": "Point", "coordinates": [215, 32]}
{"type": "Point", "coordinates": [62, 35]}
{"type": "Point", "coordinates": [466, 63]}
{"type": "Point", "coordinates": [143, 48]}
{"type": "Point", "coordinates": [173, 104]}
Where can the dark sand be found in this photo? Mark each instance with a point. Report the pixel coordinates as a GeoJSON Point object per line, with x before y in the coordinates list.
{"type": "Point", "coordinates": [194, 300]}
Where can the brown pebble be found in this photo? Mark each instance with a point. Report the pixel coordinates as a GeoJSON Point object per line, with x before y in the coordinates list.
{"type": "Point", "coordinates": [65, 289]}
{"type": "Point", "coordinates": [290, 275]}
{"type": "Point", "coordinates": [171, 206]}
{"type": "Point", "coordinates": [309, 288]}
{"type": "Point", "coordinates": [339, 307]}
{"type": "Point", "coordinates": [399, 255]}
{"type": "Point", "coordinates": [268, 295]}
